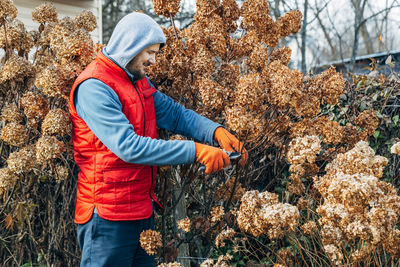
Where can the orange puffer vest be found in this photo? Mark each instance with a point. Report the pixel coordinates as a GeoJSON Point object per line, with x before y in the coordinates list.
{"type": "Point", "coordinates": [119, 190]}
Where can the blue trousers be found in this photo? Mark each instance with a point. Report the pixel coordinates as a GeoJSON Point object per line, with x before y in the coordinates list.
{"type": "Point", "coordinates": [114, 243]}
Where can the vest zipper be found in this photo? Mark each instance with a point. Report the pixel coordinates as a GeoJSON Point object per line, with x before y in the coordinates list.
{"type": "Point", "coordinates": [144, 134]}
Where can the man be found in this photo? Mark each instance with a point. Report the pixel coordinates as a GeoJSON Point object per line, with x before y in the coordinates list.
{"type": "Point", "coordinates": [115, 110]}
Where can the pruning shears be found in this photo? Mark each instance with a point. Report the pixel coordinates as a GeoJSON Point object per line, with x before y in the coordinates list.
{"type": "Point", "coordinates": [233, 156]}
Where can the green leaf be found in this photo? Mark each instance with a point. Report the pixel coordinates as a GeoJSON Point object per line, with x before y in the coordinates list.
{"type": "Point", "coordinates": [376, 134]}
{"type": "Point", "coordinates": [395, 119]}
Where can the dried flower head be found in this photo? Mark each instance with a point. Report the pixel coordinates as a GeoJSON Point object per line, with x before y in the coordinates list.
{"type": "Point", "coordinates": [86, 20]}
{"type": "Point", "coordinates": [290, 23]}
{"type": "Point", "coordinates": [46, 12]}
{"type": "Point", "coordinates": [226, 234]}
{"type": "Point", "coordinates": [257, 58]}
{"type": "Point", "coordinates": [217, 213]}
{"type": "Point", "coordinates": [7, 10]}
{"type": "Point", "coordinates": [184, 224]}
{"type": "Point", "coordinates": [170, 264]}
{"type": "Point", "coordinates": [16, 69]}
{"type": "Point", "coordinates": [309, 228]}
{"type": "Point", "coordinates": [14, 134]}
{"type": "Point", "coordinates": [11, 113]}
{"type": "Point", "coordinates": [7, 179]}
{"type": "Point", "coordinates": [261, 213]}
{"type": "Point", "coordinates": [23, 160]}
{"type": "Point", "coordinates": [303, 149]}
{"type": "Point", "coordinates": [166, 8]}
{"type": "Point", "coordinates": [368, 120]}
{"type": "Point", "coordinates": [17, 37]}
{"type": "Point", "coordinates": [150, 241]}
{"type": "Point", "coordinates": [395, 149]}
{"type": "Point", "coordinates": [61, 173]}
{"type": "Point", "coordinates": [51, 81]}
{"type": "Point", "coordinates": [35, 108]}
{"type": "Point", "coordinates": [47, 148]}
{"type": "Point", "coordinates": [281, 54]}
{"type": "Point", "coordinates": [56, 122]}
{"type": "Point", "coordinates": [224, 191]}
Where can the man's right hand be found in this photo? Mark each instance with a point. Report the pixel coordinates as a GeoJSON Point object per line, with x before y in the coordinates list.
{"type": "Point", "coordinates": [213, 158]}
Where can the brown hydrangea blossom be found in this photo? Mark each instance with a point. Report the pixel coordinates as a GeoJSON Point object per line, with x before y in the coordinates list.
{"type": "Point", "coordinates": [46, 12]}
{"type": "Point", "coordinates": [150, 241]}
{"type": "Point", "coordinates": [330, 131]}
{"type": "Point", "coordinates": [281, 54]}
{"type": "Point", "coordinates": [7, 10]}
{"type": "Point", "coordinates": [184, 224]}
{"type": "Point", "coordinates": [56, 122]}
{"type": "Point", "coordinates": [257, 58]}
{"type": "Point", "coordinates": [250, 91]}
{"type": "Point", "coordinates": [226, 234]}
{"type": "Point", "coordinates": [61, 173]}
{"type": "Point", "coordinates": [166, 8]}
{"type": "Point", "coordinates": [35, 108]}
{"type": "Point", "coordinates": [17, 37]}
{"type": "Point", "coordinates": [16, 69]}
{"type": "Point", "coordinates": [86, 20]}
{"type": "Point", "coordinates": [303, 149]}
{"type": "Point", "coordinates": [368, 120]}
{"type": "Point", "coordinates": [217, 213]}
{"type": "Point", "coordinates": [230, 13]}
{"type": "Point", "coordinates": [357, 206]}
{"type": "Point", "coordinates": [23, 160]}
{"type": "Point", "coordinates": [290, 23]}
{"type": "Point", "coordinates": [309, 228]}
{"type": "Point", "coordinates": [211, 93]}
{"type": "Point", "coordinates": [169, 264]}
{"type": "Point", "coordinates": [284, 85]}
{"type": "Point", "coordinates": [395, 149]}
{"type": "Point", "coordinates": [52, 82]}
{"type": "Point", "coordinates": [11, 113]}
{"type": "Point", "coordinates": [7, 179]}
{"type": "Point", "coordinates": [255, 14]}
{"type": "Point", "coordinates": [47, 148]}
{"type": "Point", "coordinates": [261, 213]}
{"type": "Point", "coordinates": [14, 134]}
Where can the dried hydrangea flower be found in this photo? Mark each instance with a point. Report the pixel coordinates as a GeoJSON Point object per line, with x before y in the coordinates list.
{"type": "Point", "coordinates": [281, 54]}
{"type": "Point", "coordinates": [211, 93]}
{"type": "Point", "coordinates": [46, 12]}
{"type": "Point", "coordinates": [86, 20]}
{"type": "Point", "coordinates": [11, 113]}
{"type": "Point", "coordinates": [169, 264]}
{"type": "Point", "coordinates": [303, 149]}
{"type": "Point", "coordinates": [257, 58]}
{"type": "Point", "coordinates": [150, 241]}
{"type": "Point", "coordinates": [217, 213]}
{"type": "Point", "coordinates": [7, 179]}
{"type": "Point", "coordinates": [7, 10]}
{"type": "Point", "coordinates": [61, 173]}
{"type": "Point", "coordinates": [184, 224]}
{"type": "Point", "coordinates": [47, 148]}
{"type": "Point", "coordinates": [51, 81]}
{"type": "Point", "coordinates": [16, 69]}
{"type": "Point", "coordinates": [14, 134]}
{"type": "Point", "coordinates": [290, 23]}
{"type": "Point", "coordinates": [261, 213]}
{"type": "Point", "coordinates": [23, 160]}
{"type": "Point", "coordinates": [17, 37]}
{"type": "Point", "coordinates": [250, 91]}
{"type": "Point", "coordinates": [309, 228]}
{"type": "Point", "coordinates": [226, 234]}
{"type": "Point", "coordinates": [166, 8]}
{"type": "Point", "coordinates": [284, 85]}
{"type": "Point", "coordinates": [395, 149]}
{"type": "Point", "coordinates": [35, 108]}
{"type": "Point", "coordinates": [56, 122]}
{"type": "Point", "coordinates": [368, 120]}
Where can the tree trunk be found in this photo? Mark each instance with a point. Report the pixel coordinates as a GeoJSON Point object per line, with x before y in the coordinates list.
{"type": "Point", "coordinates": [303, 39]}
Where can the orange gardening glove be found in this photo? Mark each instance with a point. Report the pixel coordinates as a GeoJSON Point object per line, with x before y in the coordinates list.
{"type": "Point", "coordinates": [213, 158]}
{"type": "Point", "coordinates": [229, 142]}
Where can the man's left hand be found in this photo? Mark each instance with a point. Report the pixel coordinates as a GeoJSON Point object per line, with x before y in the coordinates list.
{"type": "Point", "coordinates": [229, 142]}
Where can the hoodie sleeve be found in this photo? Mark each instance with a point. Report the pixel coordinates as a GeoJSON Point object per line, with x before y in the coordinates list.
{"type": "Point", "coordinates": [98, 105]}
{"type": "Point", "coordinates": [176, 118]}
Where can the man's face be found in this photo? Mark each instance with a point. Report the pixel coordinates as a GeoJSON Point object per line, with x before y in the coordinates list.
{"type": "Point", "coordinates": [144, 59]}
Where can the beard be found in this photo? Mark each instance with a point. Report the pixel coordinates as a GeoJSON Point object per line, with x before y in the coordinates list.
{"type": "Point", "coordinates": [137, 74]}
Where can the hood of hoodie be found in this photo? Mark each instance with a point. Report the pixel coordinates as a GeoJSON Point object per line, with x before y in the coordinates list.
{"type": "Point", "coordinates": [133, 33]}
